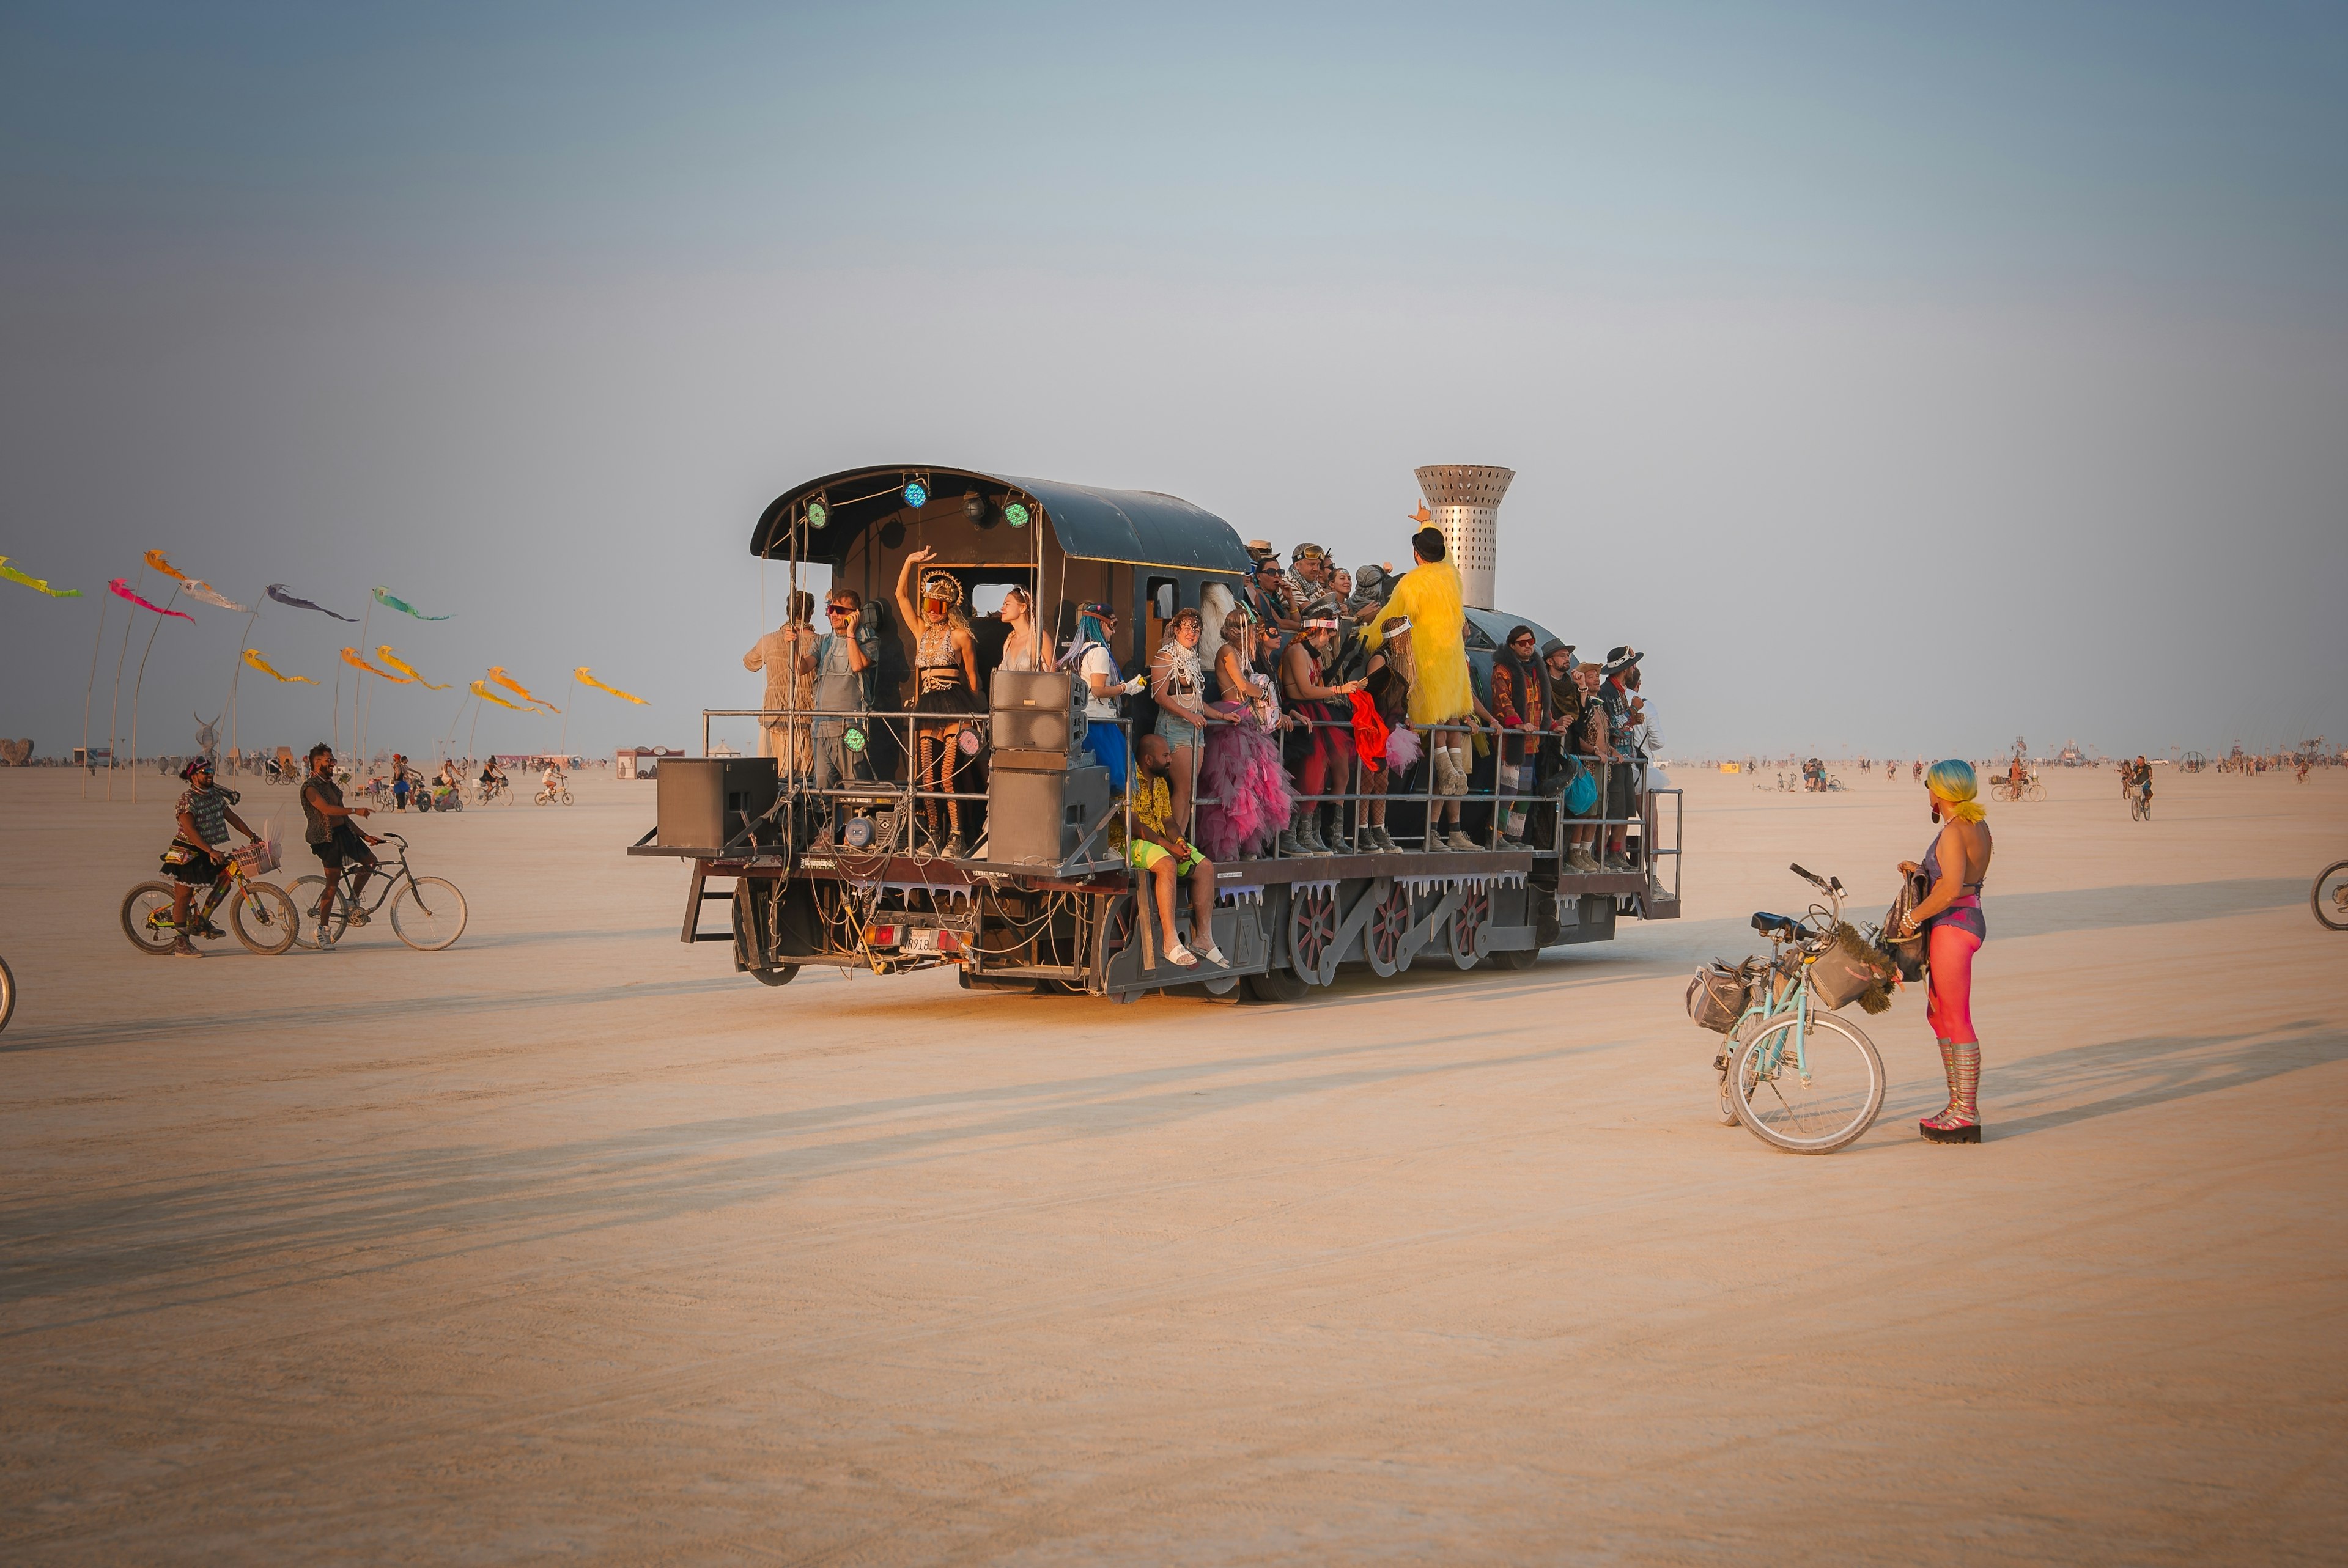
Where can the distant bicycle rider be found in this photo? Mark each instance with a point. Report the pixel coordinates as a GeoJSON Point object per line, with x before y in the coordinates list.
{"type": "Point", "coordinates": [334, 838]}
{"type": "Point", "coordinates": [198, 856]}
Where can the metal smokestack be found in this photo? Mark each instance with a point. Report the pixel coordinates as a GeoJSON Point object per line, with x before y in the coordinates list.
{"type": "Point", "coordinates": [1465, 500]}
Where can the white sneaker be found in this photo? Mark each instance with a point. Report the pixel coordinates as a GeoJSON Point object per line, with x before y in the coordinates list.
{"type": "Point", "coordinates": [1181, 956]}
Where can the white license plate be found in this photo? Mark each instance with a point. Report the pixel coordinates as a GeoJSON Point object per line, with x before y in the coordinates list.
{"type": "Point", "coordinates": [921, 939]}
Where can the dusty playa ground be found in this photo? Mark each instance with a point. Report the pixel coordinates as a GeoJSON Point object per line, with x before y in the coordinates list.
{"type": "Point", "coordinates": [570, 1243]}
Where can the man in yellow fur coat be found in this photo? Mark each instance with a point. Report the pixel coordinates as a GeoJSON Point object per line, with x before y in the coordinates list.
{"type": "Point", "coordinates": [1442, 692]}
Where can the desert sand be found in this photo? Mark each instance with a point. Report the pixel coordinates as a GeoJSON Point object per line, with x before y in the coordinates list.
{"type": "Point", "coordinates": [570, 1243]}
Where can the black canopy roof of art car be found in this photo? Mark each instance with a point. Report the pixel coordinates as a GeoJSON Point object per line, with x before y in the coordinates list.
{"type": "Point", "coordinates": [1142, 527]}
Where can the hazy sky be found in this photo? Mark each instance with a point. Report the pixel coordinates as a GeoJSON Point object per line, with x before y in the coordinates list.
{"type": "Point", "coordinates": [1903, 378]}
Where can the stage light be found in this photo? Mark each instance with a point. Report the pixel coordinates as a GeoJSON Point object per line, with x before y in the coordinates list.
{"type": "Point", "coordinates": [817, 514]}
{"type": "Point", "coordinates": [1015, 513]}
{"type": "Point", "coordinates": [916, 494]}
{"type": "Point", "coordinates": [974, 506]}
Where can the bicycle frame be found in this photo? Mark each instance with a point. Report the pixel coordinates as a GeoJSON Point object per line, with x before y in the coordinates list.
{"type": "Point", "coordinates": [1790, 961]}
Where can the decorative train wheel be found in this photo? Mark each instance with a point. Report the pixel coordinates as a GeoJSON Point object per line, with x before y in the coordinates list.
{"type": "Point", "coordinates": [1383, 939]}
{"type": "Point", "coordinates": [1311, 931]}
{"type": "Point", "coordinates": [1114, 933]}
{"type": "Point", "coordinates": [1470, 927]}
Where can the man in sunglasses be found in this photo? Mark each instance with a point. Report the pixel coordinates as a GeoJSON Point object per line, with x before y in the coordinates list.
{"type": "Point", "coordinates": [328, 827]}
{"type": "Point", "coordinates": [841, 669]}
{"type": "Point", "coordinates": [198, 856]}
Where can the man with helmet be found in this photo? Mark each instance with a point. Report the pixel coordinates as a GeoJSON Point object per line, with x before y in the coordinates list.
{"type": "Point", "coordinates": [198, 856]}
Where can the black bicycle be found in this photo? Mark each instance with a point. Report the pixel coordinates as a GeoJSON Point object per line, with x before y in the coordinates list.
{"type": "Point", "coordinates": [427, 913]}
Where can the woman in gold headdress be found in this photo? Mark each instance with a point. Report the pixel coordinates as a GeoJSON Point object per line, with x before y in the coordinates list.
{"type": "Point", "coordinates": [945, 682]}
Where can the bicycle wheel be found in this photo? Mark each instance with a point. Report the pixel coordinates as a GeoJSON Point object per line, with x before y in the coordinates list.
{"type": "Point", "coordinates": [428, 914]}
{"type": "Point", "coordinates": [2038, 792]}
{"type": "Point", "coordinates": [566, 797]}
{"type": "Point", "coordinates": [147, 918]}
{"type": "Point", "coordinates": [2330, 896]}
{"type": "Point", "coordinates": [263, 918]}
{"type": "Point", "coordinates": [305, 894]}
{"type": "Point", "coordinates": [1816, 1109]}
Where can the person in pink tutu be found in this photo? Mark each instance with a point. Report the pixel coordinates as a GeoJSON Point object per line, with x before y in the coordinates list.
{"type": "Point", "coordinates": [1242, 773]}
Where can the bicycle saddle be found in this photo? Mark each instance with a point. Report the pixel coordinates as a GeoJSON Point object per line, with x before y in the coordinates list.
{"type": "Point", "coordinates": [1764, 923]}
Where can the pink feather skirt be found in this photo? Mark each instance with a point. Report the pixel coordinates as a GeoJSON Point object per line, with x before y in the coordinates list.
{"type": "Point", "coordinates": [1242, 773]}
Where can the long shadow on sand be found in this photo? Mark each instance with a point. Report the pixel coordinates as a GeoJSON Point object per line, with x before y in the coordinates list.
{"type": "Point", "coordinates": [248, 1231]}
{"type": "Point", "coordinates": [2060, 1088]}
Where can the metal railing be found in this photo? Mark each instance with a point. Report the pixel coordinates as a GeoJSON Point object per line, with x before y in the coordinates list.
{"type": "Point", "coordinates": [800, 732]}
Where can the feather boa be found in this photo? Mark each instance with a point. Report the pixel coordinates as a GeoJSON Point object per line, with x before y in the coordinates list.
{"type": "Point", "coordinates": [1402, 749]}
{"type": "Point", "coordinates": [1242, 771]}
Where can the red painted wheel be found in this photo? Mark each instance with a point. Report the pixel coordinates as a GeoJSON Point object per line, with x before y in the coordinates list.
{"type": "Point", "coordinates": [1390, 922]}
{"type": "Point", "coordinates": [1470, 927]}
{"type": "Point", "coordinates": [1311, 930]}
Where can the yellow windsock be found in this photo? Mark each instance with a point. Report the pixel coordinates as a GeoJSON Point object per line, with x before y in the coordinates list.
{"type": "Point", "coordinates": [351, 657]}
{"type": "Point", "coordinates": [253, 657]}
{"type": "Point", "coordinates": [587, 680]}
{"type": "Point", "coordinates": [38, 584]}
{"type": "Point", "coordinates": [156, 559]}
{"type": "Point", "coordinates": [482, 690]}
{"type": "Point", "coordinates": [383, 651]}
{"type": "Point", "coordinates": [498, 673]}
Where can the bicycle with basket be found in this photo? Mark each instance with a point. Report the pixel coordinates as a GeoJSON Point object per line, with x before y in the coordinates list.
{"type": "Point", "coordinates": [1797, 1076]}
{"type": "Point", "coordinates": [260, 913]}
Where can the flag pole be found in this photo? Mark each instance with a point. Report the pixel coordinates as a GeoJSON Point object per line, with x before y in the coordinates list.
{"type": "Point", "coordinates": [88, 693]}
{"type": "Point", "coordinates": [113, 705]}
{"type": "Point", "coordinates": [137, 682]}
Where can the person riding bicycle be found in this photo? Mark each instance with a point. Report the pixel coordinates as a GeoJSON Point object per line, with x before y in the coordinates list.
{"type": "Point", "coordinates": [198, 855]}
{"type": "Point", "coordinates": [493, 777]}
{"type": "Point", "coordinates": [335, 839]}
{"type": "Point", "coordinates": [553, 781]}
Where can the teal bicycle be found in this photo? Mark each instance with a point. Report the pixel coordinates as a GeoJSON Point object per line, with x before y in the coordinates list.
{"type": "Point", "coordinates": [1796, 1075]}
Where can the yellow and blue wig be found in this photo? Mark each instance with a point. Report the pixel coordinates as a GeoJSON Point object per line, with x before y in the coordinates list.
{"type": "Point", "coordinates": [1951, 782]}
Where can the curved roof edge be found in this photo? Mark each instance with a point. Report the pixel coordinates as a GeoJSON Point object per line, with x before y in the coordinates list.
{"type": "Point", "coordinates": [1137, 527]}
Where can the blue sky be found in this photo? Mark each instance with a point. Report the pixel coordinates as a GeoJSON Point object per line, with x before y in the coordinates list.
{"type": "Point", "coordinates": [2018, 334]}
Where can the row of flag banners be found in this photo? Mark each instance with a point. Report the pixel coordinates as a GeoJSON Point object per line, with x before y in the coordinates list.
{"type": "Point", "coordinates": [206, 593]}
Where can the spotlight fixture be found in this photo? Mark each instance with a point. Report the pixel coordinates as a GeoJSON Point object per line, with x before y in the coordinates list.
{"type": "Point", "coordinates": [974, 506]}
{"type": "Point", "coordinates": [817, 514]}
{"type": "Point", "coordinates": [917, 494]}
{"type": "Point", "coordinates": [1015, 513]}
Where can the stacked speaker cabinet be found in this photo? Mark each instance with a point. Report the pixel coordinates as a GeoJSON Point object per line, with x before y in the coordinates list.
{"type": "Point", "coordinates": [1043, 802]}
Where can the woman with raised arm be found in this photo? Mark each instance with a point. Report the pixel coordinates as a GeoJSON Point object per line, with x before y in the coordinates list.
{"type": "Point", "coordinates": [945, 682]}
{"type": "Point", "coordinates": [1951, 914]}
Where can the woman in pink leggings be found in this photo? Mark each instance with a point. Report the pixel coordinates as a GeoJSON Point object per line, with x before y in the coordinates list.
{"type": "Point", "coordinates": [1951, 916]}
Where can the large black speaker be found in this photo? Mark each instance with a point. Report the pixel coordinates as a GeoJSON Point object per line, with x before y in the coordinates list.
{"type": "Point", "coordinates": [1029, 711]}
{"type": "Point", "coordinates": [1042, 816]}
{"type": "Point", "coordinates": [704, 802]}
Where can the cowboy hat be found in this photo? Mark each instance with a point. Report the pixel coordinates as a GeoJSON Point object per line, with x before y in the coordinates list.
{"type": "Point", "coordinates": [1621, 659]}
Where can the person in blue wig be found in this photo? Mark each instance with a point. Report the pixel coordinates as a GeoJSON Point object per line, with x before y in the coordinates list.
{"type": "Point", "coordinates": [1091, 657]}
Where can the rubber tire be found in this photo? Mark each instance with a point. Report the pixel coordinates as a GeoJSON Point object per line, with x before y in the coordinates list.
{"type": "Point", "coordinates": [408, 894]}
{"type": "Point", "coordinates": [1276, 985]}
{"type": "Point", "coordinates": [1519, 959]}
{"type": "Point", "coordinates": [2315, 898]}
{"type": "Point", "coordinates": [781, 977]}
{"type": "Point", "coordinates": [1850, 1134]}
{"type": "Point", "coordinates": [305, 894]}
{"type": "Point", "coordinates": [257, 902]}
{"type": "Point", "coordinates": [566, 797]}
{"type": "Point", "coordinates": [132, 923]}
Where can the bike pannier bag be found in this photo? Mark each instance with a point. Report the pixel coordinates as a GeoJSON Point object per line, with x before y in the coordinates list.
{"type": "Point", "coordinates": [1846, 971]}
{"type": "Point", "coordinates": [1716, 998]}
{"type": "Point", "coordinates": [1906, 954]}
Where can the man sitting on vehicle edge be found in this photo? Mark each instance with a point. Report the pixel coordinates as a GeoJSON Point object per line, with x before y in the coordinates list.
{"type": "Point", "coordinates": [1160, 855]}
